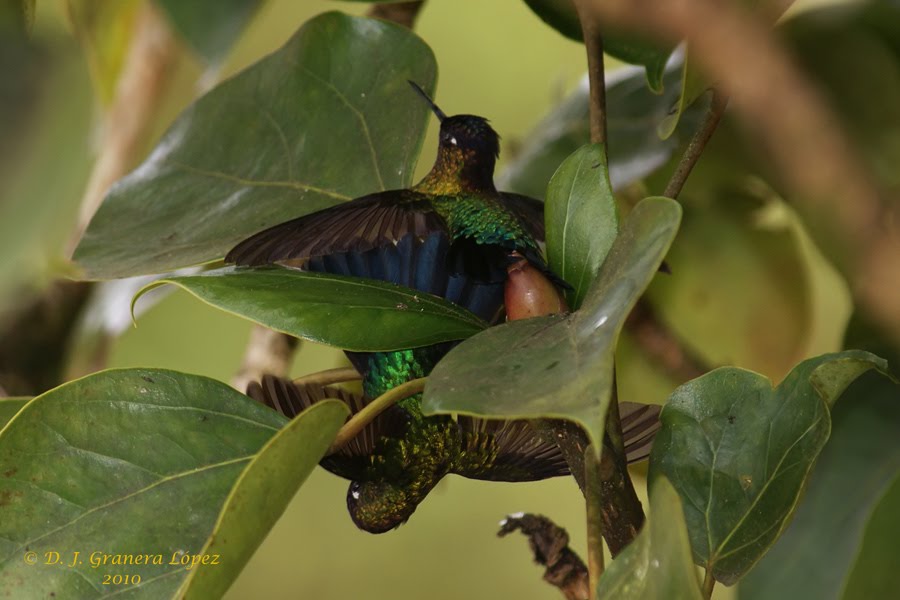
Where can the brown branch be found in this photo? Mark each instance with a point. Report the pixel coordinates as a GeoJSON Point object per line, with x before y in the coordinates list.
{"type": "Point", "coordinates": [268, 352]}
{"type": "Point", "coordinates": [550, 546]}
{"type": "Point", "coordinates": [145, 76]}
{"type": "Point", "coordinates": [593, 43]}
{"type": "Point", "coordinates": [402, 13]}
{"type": "Point", "coordinates": [695, 148]}
{"type": "Point", "coordinates": [820, 167]}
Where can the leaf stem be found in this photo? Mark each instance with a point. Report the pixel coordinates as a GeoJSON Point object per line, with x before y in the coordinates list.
{"type": "Point", "coordinates": [697, 144]}
{"type": "Point", "coordinates": [402, 13]}
{"type": "Point", "coordinates": [377, 406]}
{"type": "Point", "coordinates": [329, 376]}
{"type": "Point", "coordinates": [593, 43]}
{"type": "Point", "coordinates": [708, 583]}
{"type": "Point", "coordinates": [595, 508]}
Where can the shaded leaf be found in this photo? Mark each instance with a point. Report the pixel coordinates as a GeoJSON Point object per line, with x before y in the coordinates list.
{"type": "Point", "coordinates": [634, 49]}
{"type": "Point", "coordinates": [739, 452]}
{"type": "Point", "coordinates": [821, 551]}
{"type": "Point", "coordinates": [657, 564]}
{"type": "Point", "coordinates": [142, 461]}
{"type": "Point", "coordinates": [760, 320]}
{"type": "Point", "coordinates": [362, 315]}
{"type": "Point", "coordinates": [581, 219]}
{"type": "Point", "coordinates": [261, 494]}
{"type": "Point", "coordinates": [104, 30]}
{"type": "Point", "coordinates": [9, 407]}
{"type": "Point", "coordinates": [326, 118]}
{"type": "Point", "coordinates": [635, 150]}
{"type": "Point", "coordinates": [211, 27]}
{"type": "Point", "coordinates": [692, 87]}
{"type": "Point", "coordinates": [559, 366]}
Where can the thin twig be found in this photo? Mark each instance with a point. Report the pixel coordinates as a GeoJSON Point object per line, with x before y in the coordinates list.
{"type": "Point", "coordinates": [709, 582]}
{"type": "Point", "coordinates": [402, 13]}
{"type": "Point", "coordinates": [374, 408]}
{"type": "Point", "coordinates": [695, 148]}
{"type": "Point", "coordinates": [593, 43]}
{"type": "Point", "coordinates": [595, 510]}
{"type": "Point", "coordinates": [329, 376]}
{"type": "Point", "coordinates": [550, 546]}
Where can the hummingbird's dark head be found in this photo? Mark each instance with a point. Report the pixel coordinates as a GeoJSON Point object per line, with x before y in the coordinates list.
{"type": "Point", "coordinates": [469, 147]}
{"type": "Point", "coordinates": [379, 506]}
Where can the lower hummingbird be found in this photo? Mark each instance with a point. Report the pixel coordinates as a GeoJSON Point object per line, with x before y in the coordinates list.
{"type": "Point", "coordinates": [455, 236]}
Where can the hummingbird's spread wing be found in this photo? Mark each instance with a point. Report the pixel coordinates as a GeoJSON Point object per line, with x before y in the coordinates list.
{"type": "Point", "coordinates": [529, 211]}
{"type": "Point", "coordinates": [521, 454]}
{"type": "Point", "coordinates": [369, 222]}
{"type": "Point", "coordinates": [290, 399]}
{"type": "Point", "coordinates": [506, 451]}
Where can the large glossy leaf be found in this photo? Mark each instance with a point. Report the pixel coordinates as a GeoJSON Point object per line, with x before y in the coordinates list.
{"type": "Point", "coordinates": [326, 118]}
{"type": "Point", "coordinates": [657, 564]}
{"type": "Point", "coordinates": [210, 26]}
{"type": "Point", "coordinates": [581, 219]}
{"type": "Point", "coordinates": [559, 366]}
{"type": "Point", "coordinates": [261, 494]}
{"type": "Point", "coordinates": [351, 313]}
{"type": "Point", "coordinates": [128, 463]}
{"type": "Point", "coordinates": [562, 16]}
{"type": "Point", "coordinates": [820, 552]}
{"type": "Point", "coordinates": [634, 114]}
{"type": "Point", "coordinates": [739, 452]}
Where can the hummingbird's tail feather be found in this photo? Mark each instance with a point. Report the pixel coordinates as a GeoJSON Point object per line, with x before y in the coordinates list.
{"type": "Point", "coordinates": [640, 424]}
{"type": "Point", "coordinates": [290, 399]}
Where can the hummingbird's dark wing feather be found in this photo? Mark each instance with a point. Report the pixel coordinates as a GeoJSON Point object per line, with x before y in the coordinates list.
{"type": "Point", "coordinates": [506, 451]}
{"type": "Point", "coordinates": [640, 424]}
{"type": "Point", "coordinates": [290, 399]}
{"type": "Point", "coordinates": [529, 211]}
{"type": "Point", "coordinates": [369, 222]}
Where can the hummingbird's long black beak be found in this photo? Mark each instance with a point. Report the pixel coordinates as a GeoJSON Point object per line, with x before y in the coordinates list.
{"type": "Point", "coordinates": [440, 114]}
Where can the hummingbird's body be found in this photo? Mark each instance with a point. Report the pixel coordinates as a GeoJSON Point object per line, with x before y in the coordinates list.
{"type": "Point", "coordinates": [452, 235]}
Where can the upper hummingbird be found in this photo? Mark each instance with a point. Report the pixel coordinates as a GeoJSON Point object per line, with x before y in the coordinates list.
{"type": "Point", "coordinates": [453, 235]}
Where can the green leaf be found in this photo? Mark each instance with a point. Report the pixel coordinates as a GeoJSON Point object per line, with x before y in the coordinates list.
{"type": "Point", "coordinates": [628, 47]}
{"type": "Point", "coordinates": [692, 87]}
{"type": "Point", "coordinates": [261, 494]}
{"type": "Point", "coordinates": [657, 564]}
{"type": "Point", "coordinates": [836, 520]}
{"type": "Point", "coordinates": [559, 366]}
{"type": "Point", "coordinates": [875, 573]}
{"type": "Point", "coordinates": [362, 315]}
{"type": "Point", "coordinates": [134, 462]}
{"type": "Point", "coordinates": [739, 453]}
{"type": "Point", "coordinates": [9, 407]}
{"type": "Point", "coordinates": [635, 149]}
{"type": "Point", "coordinates": [211, 27]}
{"type": "Point", "coordinates": [326, 118]}
{"type": "Point", "coordinates": [581, 218]}
{"type": "Point", "coordinates": [104, 30]}
{"type": "Point", "coordinates": [761, 320]}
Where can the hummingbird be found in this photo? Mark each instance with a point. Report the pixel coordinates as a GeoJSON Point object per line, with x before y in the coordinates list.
{"type": "Point", "coordinates": [453, 235]}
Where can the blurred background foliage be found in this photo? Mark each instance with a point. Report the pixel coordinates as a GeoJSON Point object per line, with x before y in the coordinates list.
{"type": "Point", "coordinates": [750, 286]}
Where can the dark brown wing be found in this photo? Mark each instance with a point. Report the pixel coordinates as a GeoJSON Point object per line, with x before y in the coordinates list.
{"type": "Point", "coordinates": [529, 211]}
{"type": "Point", "coordinates": [507, 451]}
{"type": "Point", "coordinates": [640, 424]}
{"type": "Point", "coordinates": [358, 226]}
{"type": "Point", "coordinates": [290, 399]}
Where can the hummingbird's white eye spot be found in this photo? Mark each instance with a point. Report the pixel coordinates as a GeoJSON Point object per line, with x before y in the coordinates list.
{"type": "Point", "coordinates": [453, 141]}
{"type": "Point", "coordinates": [355, 494]}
